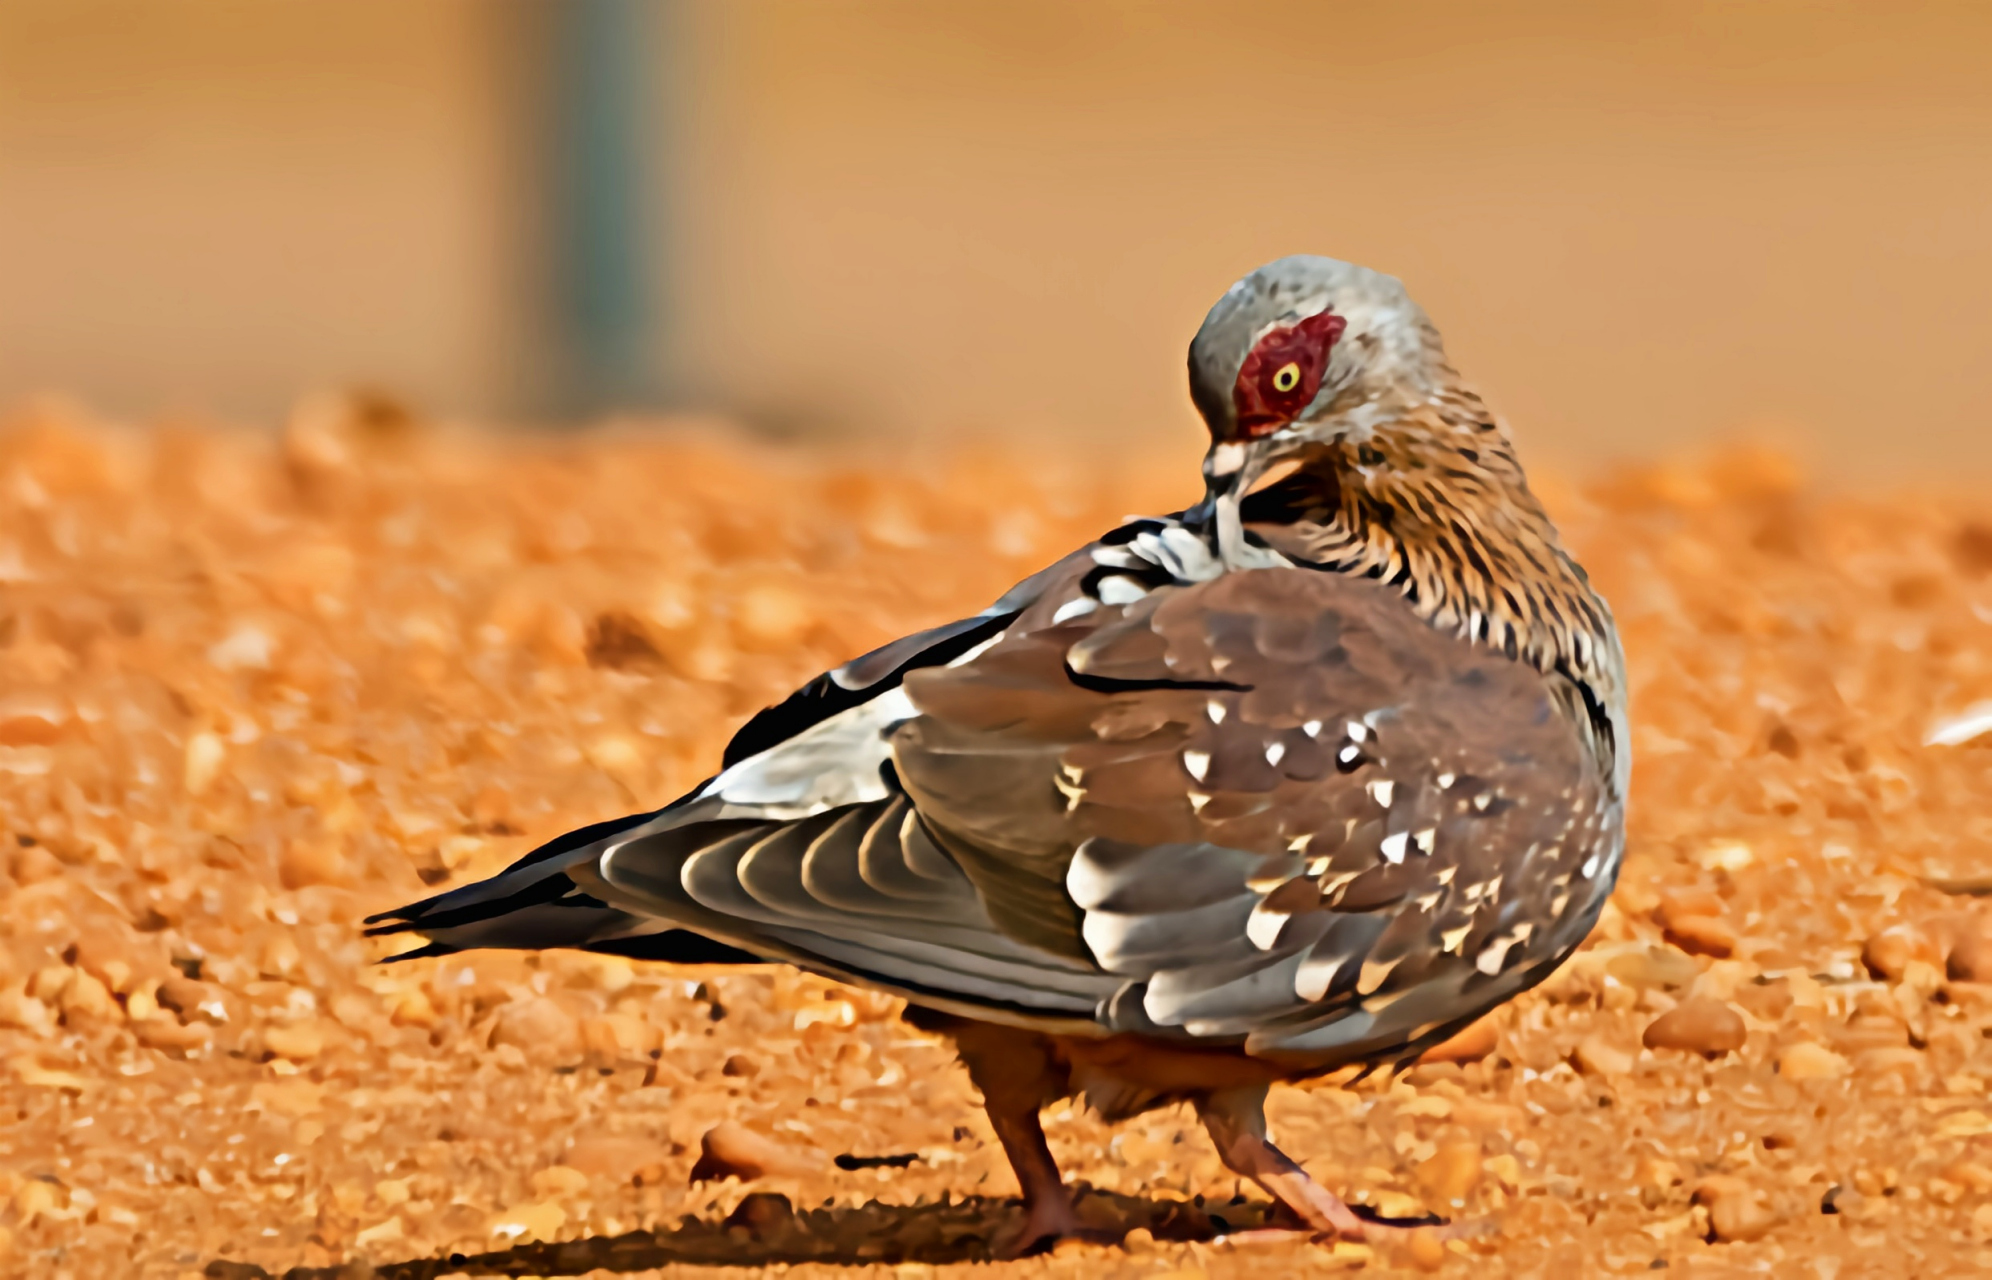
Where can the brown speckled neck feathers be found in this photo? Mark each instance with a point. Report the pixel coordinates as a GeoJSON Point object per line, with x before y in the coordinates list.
{"type": "Point", "coordinates": [1438, 506]}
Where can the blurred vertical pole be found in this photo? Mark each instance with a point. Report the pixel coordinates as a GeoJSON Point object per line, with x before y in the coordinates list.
{"type": "Point", "coordinates": [607, 294]}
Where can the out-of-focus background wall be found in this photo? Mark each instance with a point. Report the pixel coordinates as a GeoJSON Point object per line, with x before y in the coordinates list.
{"type": "Point", "coordinates": [1640, 226]}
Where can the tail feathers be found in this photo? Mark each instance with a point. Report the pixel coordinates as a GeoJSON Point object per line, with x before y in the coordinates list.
{"type": "Point", "coordinates": [533, 904]}
{"type": "Point", "coordinates": [674, 946]}
{"type": "Point", "coordinates": [537, 878]}
{"type": "Point", "coordinates": [501, 895]}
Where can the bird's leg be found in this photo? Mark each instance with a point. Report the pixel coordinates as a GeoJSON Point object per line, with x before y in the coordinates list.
{"type": "Point", "coordinates": [1048, 1212]}
{"type": "Point", "coordinates": [1017, 1076]}
{"type": "Point", "coordinates": [1236, 1122]}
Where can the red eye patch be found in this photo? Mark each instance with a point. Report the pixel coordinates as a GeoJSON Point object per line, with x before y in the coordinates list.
{"type": "Point", "coordinates": [1283, 373]}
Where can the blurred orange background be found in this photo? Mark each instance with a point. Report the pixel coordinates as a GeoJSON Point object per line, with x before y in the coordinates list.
{"type": "Point", "coordinates": [1642, 227]}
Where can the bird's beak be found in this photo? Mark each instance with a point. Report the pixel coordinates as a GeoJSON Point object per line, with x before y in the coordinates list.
{"type": "Point", "coordinates": [1231, 466]}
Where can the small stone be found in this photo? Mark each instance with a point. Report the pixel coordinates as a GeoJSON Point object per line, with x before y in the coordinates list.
{"type": "Point", "coordinates": [1889, 954]}
{"type": "Point", "coordinates": [293, 1097]}
{"type": "Point", "coordinates": [558, 1182]}
{"type": "Point", "coordinates": [1470, 1044]}
{"type": "Point", "coordinates": [771, 617]}
{"type": "Point", "coordinates": [108, 955]}
{"type": "Point", "coordinates": [1880, 1030]}
{"type": "Point", "coordinates": [1395, 1204]}
{"type": "Point", "coordinates": [1970, 958]}
{"type": "Point", "coordinates": [1703, 936]}
{"type": "Point", "coordinates": [1734, 1219]}
{"type": "Point", "coordinates": [1425, 1250]}
{"type": "Point", "coordinates": [539, 1026]}
{"type": "Point", "coordinates": [86, 996]}
{"type": "Point", "coordinates": [1655, 1177]}
{"type": "Point", "coordinates": [1504, 1169]}
{"type": "Point", "coordinates": [541, 1220]}
{"type": "Point", "coordinates": [49, 982]}
{"type": "Point", "coordinates": [1902, 1061]}
{"type": "Point", "coordinates": [620, 1035]}
{"type": "Point", "coordinates": [1597, 1056]}
{"type": "Point", "coordinates": [310, 860]}
{"type": "Point", "coordinates": [1809, 1061]}
{"type": "Point", "coordinates": [32, 718]}
{"type": "Point", "coordinates": [1679, 904]}
{"type": "Point", "coordinates": [740, 1067]}
{"type": "Point", "coordinates": [35, 1198]}
{"type": "Point", "coordinates": [1972, 1175]}
{"type": "Point", "coordinates": [187, 997]}
{"type": "Point", "coordinates": [32, 864]}
{"type": "Point", "coordinates": [732, 1150]}
{"type": "Point", "coordinates": [1697, 1025]}
{"type": "Point", "coordinates": [762, 1213]}
{"type": "Point", "coordinates": [380, 1233]}
{"type": "Point", "coordinates": [1649, 967]}
{"type": "Point", "coordinates": [1450, 1175]}
{"type": "Point", "coordinates": [412, 1008]}
{"type": "Point", "coordinates": [204, 757]}
{"type": "Point", "coordinates": [279, 958]}
{"type": "Point", "coordinates": [298, 1041]}
{"type": "Point", "coordinates": [170, 1035]}
{"type": "Point", "coordinates": [617, 1159]}
{"type": "Point", "coordinates": [611, 974]}
{"type": "Point", "coordinates": [19, 1009]}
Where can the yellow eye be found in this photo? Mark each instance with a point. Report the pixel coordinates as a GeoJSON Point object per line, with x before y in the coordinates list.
{"type": "Point", "coordinates": [1287, 377]}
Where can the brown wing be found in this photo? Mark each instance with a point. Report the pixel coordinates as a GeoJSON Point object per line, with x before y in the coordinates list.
{"type": "Point", "coordinates": [1282, 809]}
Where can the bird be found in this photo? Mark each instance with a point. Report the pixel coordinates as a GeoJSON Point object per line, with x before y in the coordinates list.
{"type": "Point", "coordinates": [1310, 775]}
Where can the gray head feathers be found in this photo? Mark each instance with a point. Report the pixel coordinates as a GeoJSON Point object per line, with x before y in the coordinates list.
{"type": "Point", "coordinates": [1389, 344]}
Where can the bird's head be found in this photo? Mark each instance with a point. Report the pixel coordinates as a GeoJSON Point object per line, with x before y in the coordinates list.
{"type": "Point", "coordinates": [1303, 351]}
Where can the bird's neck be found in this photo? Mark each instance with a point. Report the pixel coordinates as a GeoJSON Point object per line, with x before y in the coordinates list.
{"type": "Point", "coordinates": [1435, 504]}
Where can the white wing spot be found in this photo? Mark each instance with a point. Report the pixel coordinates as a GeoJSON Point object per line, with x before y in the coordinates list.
{"type": "Point", "coordinates": [1275, 752]}
{"type": "Point", "coordinates": [1215, 710]}
{"type": "Point", "coordinates": [1120, 590]}
{"type": "Point", "coordinates": [1382, 790]}
{"type": "Point", "coordinates": [1078, 608]}
{"type": "Point", "coordinates": [1312, 728]}
{"type": "Point", "coordinates": [1426, 840]}
{"type": "Point", "coordinates": [980, 649]}
{"type": "Point", "coordinates": [1490, 960]}
{"type": "Point", "coordinates": [1358, 731]}
{"type": "Point", "coordinates": [1349, 755]}
{"type": "Point", "coordinates": [1330, 884]}
{"type": "Point", "coordinates": [1315, 975]}
{"type": "Point", "coordinates": [1198, 763]}
{"type": "Point", "coordinates": [1453, 939]}
{"type": "Point", "coordinates": [1446, 780]}
{"type": "Point", "coordinates": [1481, 801]}
{"type": "Point", "coordinates": [1374, 975]}
{"type": "Point", "coordinates": [1263, 926]}
{"type": "Point", "coordinates": [1392, 848]}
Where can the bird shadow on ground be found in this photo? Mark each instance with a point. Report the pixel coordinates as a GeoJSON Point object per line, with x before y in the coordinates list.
{"type": "Point", "coordinates": [766, 1229]}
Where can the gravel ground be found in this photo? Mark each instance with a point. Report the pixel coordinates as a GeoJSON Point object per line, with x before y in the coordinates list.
{"type": "Point", "coordinates": [253, 687]}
